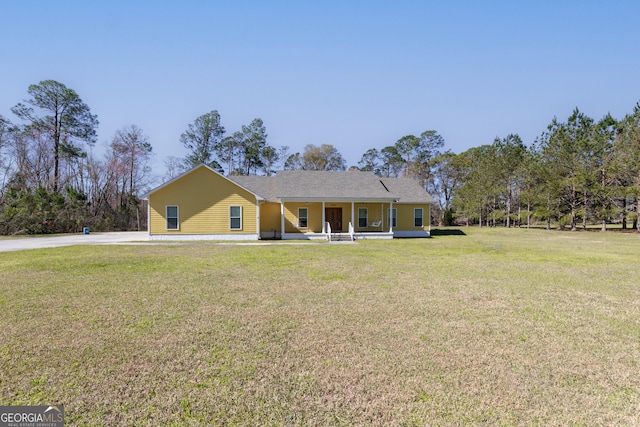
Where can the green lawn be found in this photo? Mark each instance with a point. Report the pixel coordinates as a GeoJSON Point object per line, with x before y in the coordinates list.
{"type": "Point", "coordinates": [482, 327]}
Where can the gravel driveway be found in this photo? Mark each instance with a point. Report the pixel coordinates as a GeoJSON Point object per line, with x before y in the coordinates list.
{"type": "Point", "coordinates": [23, 243]}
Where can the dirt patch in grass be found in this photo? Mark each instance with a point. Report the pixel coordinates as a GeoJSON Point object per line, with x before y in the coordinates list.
{"type": "Point", "coordinates": [500, 327]}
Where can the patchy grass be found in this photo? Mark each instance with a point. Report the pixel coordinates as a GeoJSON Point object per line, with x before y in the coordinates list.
{"type": "Point", "coordinates": [487, 326]}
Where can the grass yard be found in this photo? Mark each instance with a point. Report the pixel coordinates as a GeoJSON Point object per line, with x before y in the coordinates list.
{"type": "Point", "coordinates": [494, 327]}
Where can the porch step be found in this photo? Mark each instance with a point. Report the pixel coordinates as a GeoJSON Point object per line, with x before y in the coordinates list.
{"type": "Point", "coordinates": [341, 237]}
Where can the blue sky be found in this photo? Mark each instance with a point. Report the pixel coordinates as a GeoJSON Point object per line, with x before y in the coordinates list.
{"type": "Point", "coordinates": [355, 74]}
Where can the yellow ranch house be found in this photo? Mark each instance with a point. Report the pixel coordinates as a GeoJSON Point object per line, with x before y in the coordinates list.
{"type": "Point", "coordinates": [205, 205]}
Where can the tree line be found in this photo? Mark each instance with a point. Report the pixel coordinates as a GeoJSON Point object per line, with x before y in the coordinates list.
{"type": "Point", "coordinates": [578, 172]}
{"type": "Point", "coordinates": [52, 182]}
{"type": "Point", "coordinates": [245, 152]}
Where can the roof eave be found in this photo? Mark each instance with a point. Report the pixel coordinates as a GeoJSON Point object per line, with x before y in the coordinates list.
{"type": "Point", "coordinates": [337, 199]}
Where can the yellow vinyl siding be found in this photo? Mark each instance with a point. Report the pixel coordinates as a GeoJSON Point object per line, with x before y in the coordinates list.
{"type": "Point", "coordinates": [405, 217]}
{"type": "Point", "coordinates": [203, 199]}
{"type": "Point", "coordinates": [375, 212]}
{"type": "Point", "coordinates": [314, 217]}
{"type": "Point", "coordinates": [270, 217]}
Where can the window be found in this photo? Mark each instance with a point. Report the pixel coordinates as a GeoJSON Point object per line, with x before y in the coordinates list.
{"type": "Point", "coordinates": [303, 217]}
{"type": "Point", "coordinates": [172, 218]}
{"type": "Point", "coordinates": [235, 216]}
{"type": "Point", "coordinates": [362, 217]}
{"type": "Point", "coordinates": [417, 217]}
{"type": "Point", "coordinates": [392, 214]}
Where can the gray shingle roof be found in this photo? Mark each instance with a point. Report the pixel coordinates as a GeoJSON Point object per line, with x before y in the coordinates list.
{"type": "Point", "coordinates": [336, 186]}
{"type": "Point", "coordinates": [323, 185]}
{"type": "Point", "coordinates": [262, 185]}
{"type": "Point", "coordinates": [407, 190]}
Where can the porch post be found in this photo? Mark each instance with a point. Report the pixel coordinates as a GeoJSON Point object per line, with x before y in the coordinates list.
{"type": "Point", "coordinates": [149, 217]}
{"type": "Point", "coordinates": [352, 213]}
{"type": "Point", "coordinates": [324, 230]}
{"type": "Point", "coordinates": [258, 219]}
{"type": "Point", "coordinates": [391, 216]}
{"type": "Point", "coordinates": [282, 219]}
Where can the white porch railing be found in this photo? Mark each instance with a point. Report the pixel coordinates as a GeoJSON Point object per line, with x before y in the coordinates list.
{"type": "Point", "coordinates": [329, 233]}
{"type": "Point", "coordinates": [327, 230]}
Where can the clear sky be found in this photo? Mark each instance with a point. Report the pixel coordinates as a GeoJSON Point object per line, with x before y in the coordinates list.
{"type": "Point", "coordinates": [355, 74]}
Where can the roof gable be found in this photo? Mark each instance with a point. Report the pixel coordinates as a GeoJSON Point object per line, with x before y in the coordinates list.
{"type": "Point", "coordinates": [190, 171]}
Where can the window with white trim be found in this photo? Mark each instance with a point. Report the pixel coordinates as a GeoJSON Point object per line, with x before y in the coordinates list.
{"type": "Point", "coordinates": [392, 214]}
{"type": "Point", "coordinates": [362, 217]}
{"type": "Point", "coordinates": [418, 218]}
{"type": "Point", "coordinates": [303, 217]}
{"type": "Point", "coordinates": [235, 217]}
{"type": "Point", "coordinates": [172, 217]}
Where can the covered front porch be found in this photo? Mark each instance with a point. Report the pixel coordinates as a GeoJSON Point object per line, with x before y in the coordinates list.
{"type": "Point", "coordinates": [335, 220]}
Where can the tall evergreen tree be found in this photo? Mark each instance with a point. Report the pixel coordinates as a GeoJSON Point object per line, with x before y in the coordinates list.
{"type": "Point", "coordinates": [602, 183]}
{"type": "Point", "coordinates": [370, 161]}
{"type": "Point", "coordinates": [509, 153]}
{"type": "Point", "coordinates": [475, 199]}
{"type": "Point", "coordinates": [254, 140]}
{"type": "Point", "coordinates": [426, 150]}
{"type": "Point", "coordinates": [565, 149]}
{"type": "Point", "coordinates": [626, 163]}
{"type": "Point", "coordinates": [63, 116]}
{"type": "Point", "coordinates": [201, 139]}
{"type": "Point", "coordinates": [391, 161]}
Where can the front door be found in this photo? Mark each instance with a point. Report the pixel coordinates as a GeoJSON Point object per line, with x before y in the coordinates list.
{"type": "Point", "coordinates": [334, 217]}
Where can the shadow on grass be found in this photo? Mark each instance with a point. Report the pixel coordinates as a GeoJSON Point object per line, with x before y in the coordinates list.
{"type": "Point", "coordinates": [447, 232]}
